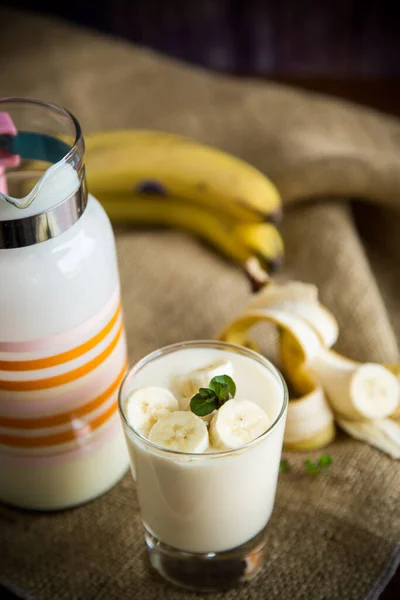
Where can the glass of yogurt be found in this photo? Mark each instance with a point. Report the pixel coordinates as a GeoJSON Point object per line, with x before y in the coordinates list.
{"type": "Point", "coordinates": [204, 424]}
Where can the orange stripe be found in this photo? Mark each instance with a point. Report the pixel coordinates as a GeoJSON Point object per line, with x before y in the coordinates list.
{"type": "Point", "coordinates": [43, 384]}
{"type": "Point", "coordinates": [59, 359]}
{"type": "Point", "coordinates": [64, 418]}
{"type": "Point", "coordinates": [59, 438]}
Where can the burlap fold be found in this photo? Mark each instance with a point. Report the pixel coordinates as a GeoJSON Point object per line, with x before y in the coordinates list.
{"type": "Point", "coordinates": [331, 537]}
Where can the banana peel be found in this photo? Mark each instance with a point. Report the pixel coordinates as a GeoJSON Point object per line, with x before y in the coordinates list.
{"type": "Point", "coordinates": [383, 434]}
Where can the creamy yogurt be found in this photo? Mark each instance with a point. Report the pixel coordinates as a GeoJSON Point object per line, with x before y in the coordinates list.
{"type": "Point", "coordinates": [214, 501]}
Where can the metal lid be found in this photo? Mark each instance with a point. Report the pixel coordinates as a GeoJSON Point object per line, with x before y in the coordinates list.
{"type": "Point", "coordinates": [27, 231]}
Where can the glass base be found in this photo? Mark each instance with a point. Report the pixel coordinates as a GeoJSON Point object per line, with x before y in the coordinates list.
{"type": "Point", "coordinates": [207, 572]}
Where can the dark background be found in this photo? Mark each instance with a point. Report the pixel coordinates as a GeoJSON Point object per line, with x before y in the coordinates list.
{"type": "Point", "coordinates": [349, 48]}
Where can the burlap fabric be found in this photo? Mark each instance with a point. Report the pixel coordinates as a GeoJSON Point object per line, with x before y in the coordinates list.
{"type": "Point", "coordinates": [332, 537]}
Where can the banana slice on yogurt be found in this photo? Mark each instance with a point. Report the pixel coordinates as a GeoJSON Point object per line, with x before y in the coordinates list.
{"type": "Point", "coordinates": [182, 431]}
{"type": "Point", "coordinates": [190, 384]}
{"type": "Point", "coordinates": [145, 406]}
{"type": "Point", "coordinates": [236, 423]}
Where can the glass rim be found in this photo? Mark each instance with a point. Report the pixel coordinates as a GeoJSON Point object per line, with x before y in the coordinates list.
{"type": "Point", "coordinates": [56, 108]}
{"type": "Point", "coordinates": [205, 344]}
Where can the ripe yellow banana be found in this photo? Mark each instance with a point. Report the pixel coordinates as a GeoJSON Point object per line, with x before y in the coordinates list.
{"type": "Point", "coordinates": [242, 242]}
{"type": "Point", "coordinates": [126, 162]}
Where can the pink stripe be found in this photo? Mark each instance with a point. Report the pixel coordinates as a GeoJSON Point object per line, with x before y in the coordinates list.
{"type": "Point", "coordinates": [81, 426]}
{"type": "Point", "coordinates": [66, 337]}
{"type": "Point", "coordinates": [3, 181]}
{"type": "Point", "coordinates": [112, 428]}
{"type": "Point", "coordinates": [21, 404]}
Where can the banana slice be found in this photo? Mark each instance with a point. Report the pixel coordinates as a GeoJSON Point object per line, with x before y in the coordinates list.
{"type": "Point", "coordinates": [236, 423]}
{"type": "Point", "coordinates": [300, 299]}
{"type": "Point", "coordinates": [395, 369]}
{"type": "Point", "coordinates": [356, 391]}
{"type": "Point", "coordinates": [375, 391]}
{"type": "Point", "coordinates": [182, 431]}
{"type": "Point", "coordinates": [144, 407]}
{"type": "Point", "coordinates": [189, 385]}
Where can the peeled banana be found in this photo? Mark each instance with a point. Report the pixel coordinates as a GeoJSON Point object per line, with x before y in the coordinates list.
{"type": "Point", "coordinates": [140, 161]}
{"type": "Point", "coordinates": [310, 421]}
{"type": "Point", "coordinates": [364, 398]}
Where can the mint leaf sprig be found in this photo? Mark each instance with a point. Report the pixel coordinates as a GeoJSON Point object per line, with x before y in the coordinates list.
{"type": "Point", "coordinates": [221, 389]}
{"type": "Point", "coordinates": [320, 466]}
{"type": "Point", "coordinates": [312, 468]}
{"type": "Point", "coordinates": [284, 466]}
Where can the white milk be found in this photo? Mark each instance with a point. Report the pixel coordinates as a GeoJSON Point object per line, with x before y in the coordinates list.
{"type": "Point", "coordinates": [59, 182]}
{"type": "Point", "coordinates": [209, 502]}
{"type": "Point", "coordinates": [71, 478]}
{"type": "Point", "coordinates": [55, 296]}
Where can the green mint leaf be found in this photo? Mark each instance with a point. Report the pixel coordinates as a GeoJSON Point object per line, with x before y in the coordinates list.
{"type": "Point", "coordinates": [226, 381]}
{"type": "Point", "coordinates": [206, 393]}
{"type": "Point", "coordinates": [203, 404]}
{"type": "Point", "coordinates": [325, 460]}
{"type": "Point", "coordinates": [284, 466]}
{"type": "Point", "coordinates": [221, 389]}
{"type": "Point", "coordinates": [311, 468]}
{"type": "Point", "coordinates": [320, 466]}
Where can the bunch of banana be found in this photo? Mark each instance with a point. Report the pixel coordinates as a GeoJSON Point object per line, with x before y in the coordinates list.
{"type": "Point", "coordinates": [155, 178]}
{"type": "Point", "coordinates": [363, 398]}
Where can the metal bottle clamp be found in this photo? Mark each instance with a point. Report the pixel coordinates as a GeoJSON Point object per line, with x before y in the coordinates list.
{"type": "Point", "coordinates": [27, 231]}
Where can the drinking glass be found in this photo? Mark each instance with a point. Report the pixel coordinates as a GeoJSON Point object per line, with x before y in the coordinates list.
{"type": "Point", "coordinates": [205, 515]}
